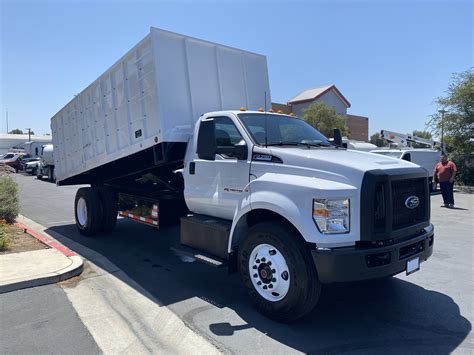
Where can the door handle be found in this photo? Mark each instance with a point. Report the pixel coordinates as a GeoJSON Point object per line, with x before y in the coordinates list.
{"type": "Point", "coordinates": [192, 168]}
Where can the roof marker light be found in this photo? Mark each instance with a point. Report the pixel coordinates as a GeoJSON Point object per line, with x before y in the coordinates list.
{"type": "Point", "coordinates": [243, 109]}
{"type": "Point", "coordinates": [260, 109]}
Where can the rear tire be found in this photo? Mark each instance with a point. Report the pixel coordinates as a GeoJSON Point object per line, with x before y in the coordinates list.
{"type": "Point", "coordinates": [109, 202]}
{"type": "Point", "coordinates": [88, 211]}
{"type": "Point", "coordinates": [277, 243]}
{"type": "Point", "coordinates": [51, 174]}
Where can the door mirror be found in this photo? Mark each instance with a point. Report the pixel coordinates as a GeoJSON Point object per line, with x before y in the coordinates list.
{"type": "Point", "coordinates": [238, 151]}
{"type": "Point", "coordinates": [206, 148]}
{"type": "Point", "coordinates": [337, 137]}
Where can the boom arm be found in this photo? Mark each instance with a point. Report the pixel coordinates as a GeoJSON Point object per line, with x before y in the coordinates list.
{"type": "Point", "coordinates": [404, 139]}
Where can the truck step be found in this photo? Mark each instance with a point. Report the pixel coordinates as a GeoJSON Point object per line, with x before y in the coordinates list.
{"type": "Point", "coordinates": [200, 256]}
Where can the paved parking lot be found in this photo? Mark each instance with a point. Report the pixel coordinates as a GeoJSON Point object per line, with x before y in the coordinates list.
{"type": "Point", "coordinates": [430, 311]}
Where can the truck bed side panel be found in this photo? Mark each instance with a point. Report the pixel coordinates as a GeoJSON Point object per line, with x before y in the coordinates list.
{"type": "Point", "coordinates": [154, 94]}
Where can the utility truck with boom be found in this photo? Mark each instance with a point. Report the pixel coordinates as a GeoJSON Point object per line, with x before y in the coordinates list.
{"type": "Point", "coordinates": [427, 157]}
{"type": "Point", "coordinates": [176, 131]}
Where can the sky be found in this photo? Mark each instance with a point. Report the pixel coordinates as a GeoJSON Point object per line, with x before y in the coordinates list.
{"type": "Point", "coordinates": [390, 59]}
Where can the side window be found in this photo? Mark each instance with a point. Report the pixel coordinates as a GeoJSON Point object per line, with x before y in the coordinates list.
{"type": "Point", "coordinates": [226, 133]}
{"type": "Point", "coordinates": [407, 157]}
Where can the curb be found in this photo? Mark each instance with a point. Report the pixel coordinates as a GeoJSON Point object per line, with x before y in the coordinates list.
{"type": "Point", "coordinates": [74, 269]}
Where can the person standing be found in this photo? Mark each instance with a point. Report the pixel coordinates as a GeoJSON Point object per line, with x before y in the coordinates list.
{"type": "Point", "coordinates": [444, 174]}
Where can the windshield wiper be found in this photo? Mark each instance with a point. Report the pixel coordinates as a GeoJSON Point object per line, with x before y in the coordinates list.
{"type": "Point", "coordinates": [299, 144]}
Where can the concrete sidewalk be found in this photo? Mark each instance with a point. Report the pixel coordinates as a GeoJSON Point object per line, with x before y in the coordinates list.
{"type": "Point", "coordinates": [38, 267]}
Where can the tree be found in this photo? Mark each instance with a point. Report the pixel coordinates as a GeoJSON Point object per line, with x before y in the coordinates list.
{"type": "Point", "coordinates": [377, 140]}
{"type": "Point", "coordinates": [325, 119]}
{"type": "Point", "coordinates": [458, 122]}
{"type": "Point", "coordinates": [421, 134]}
{"type": "Point", "coordinates": [16, 131]}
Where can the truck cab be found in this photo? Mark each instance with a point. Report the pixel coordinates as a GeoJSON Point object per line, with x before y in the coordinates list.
{"type": "Point", "coordinates": [290, 195]}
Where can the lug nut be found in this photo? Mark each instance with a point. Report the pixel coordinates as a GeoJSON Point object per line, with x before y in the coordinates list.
{"type": "Point", "coordinates": [270, 286]}
{"type": "Point", "coordinates": [265, 287]}
{"type": "Point", "coordinates": [257, 261]}
{"type": "Point", "coordinates": [255, 275]}
{"type": "Point", "coordinates": [254, 267]}
{"type": "Point", "coordinates": [259, 283]}
{"type": "Point", "coordinates": [263, 260]}
{"type": "Point", "coordinates": [274, 280]}
{"type": "Point", "coordinates": [273, 270]}
{"type": "Point", "coordinates": [269, 263]}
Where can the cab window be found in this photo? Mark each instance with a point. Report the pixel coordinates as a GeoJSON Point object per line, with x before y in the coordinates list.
{"type": "Point", "coordinates": [226, 132]}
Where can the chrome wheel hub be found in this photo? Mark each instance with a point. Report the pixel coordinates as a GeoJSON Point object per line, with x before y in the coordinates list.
{"type": "Point", "coordinates": [81, 211]}
{"type": "Point", "coordinates": [269, 272]}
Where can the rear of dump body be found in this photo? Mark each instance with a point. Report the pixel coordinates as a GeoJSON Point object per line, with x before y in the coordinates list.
{"type": "Point", "coordinates": [154, 94]}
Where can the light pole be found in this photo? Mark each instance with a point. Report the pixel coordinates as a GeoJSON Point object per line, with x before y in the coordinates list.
{"type": "Point", "coordinates": [29, 134]}
{"type": "Point", "coordinates": [442, 112]}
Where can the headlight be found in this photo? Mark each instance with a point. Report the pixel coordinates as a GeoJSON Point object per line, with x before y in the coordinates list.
{"type": "Point", "coordinates": [331, 216]}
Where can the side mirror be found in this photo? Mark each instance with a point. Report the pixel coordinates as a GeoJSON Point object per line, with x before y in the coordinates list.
{"type": "Point", "coordinates": [337, 137]}
{"type": "Point", "coordinates": [239, 151]}
{"type": "Point", "coordinates": [206, 148]}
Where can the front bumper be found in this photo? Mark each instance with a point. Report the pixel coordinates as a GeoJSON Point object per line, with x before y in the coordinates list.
{"type": "Point", "coordinates": [365, 263]}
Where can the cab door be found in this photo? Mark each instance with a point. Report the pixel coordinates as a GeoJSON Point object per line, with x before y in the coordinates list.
{"type": "Point", "coordinates": [214, 187]}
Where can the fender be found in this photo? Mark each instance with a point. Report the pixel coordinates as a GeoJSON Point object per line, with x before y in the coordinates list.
{"type": "Point", "coordinates": [291, 196]}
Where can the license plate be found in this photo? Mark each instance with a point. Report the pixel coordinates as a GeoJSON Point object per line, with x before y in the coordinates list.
{"type": "Point", "coordinates": [413, 265]}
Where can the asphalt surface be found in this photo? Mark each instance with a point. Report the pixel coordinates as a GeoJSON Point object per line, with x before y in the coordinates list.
{"type": "Point", "coordinates": [430, 311]}
{"type": "Point", "coordinates": [41, 320]}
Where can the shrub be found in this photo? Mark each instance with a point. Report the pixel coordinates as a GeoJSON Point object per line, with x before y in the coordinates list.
{"type": "Point", "coordinates": [4, 240]}
{"type": "Point", "coordinates": [9, 201]}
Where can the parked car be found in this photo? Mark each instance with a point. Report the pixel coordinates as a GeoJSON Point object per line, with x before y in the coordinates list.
{"type": "Point", "coordinates": [13, 160]}
{"type": "Point", "coordinates": [25, 161]}
{"type": "Point", "coordinates": [31, 167]}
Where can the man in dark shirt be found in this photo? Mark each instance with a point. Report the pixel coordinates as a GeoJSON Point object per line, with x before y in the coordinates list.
{"type": "Point", "coordinates": [444, 173]}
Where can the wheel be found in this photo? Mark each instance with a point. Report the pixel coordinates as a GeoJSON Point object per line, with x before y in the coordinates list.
{"type": "Point", "coordinates": [88, 211]}
{"type": "Point", "coordinates": [109, 202]}
{"type": "Point", "coordinates": [34, 172]}
{"type": "Point", "coordinates": [278, 272]}
{"type": "Point", "coordinates": [51, 174]}
{"type": "Point", "coordinates": [39, 175]}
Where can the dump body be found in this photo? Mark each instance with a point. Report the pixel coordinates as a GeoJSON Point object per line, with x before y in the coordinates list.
{"type": "Point", "coordinates": [154, 94]}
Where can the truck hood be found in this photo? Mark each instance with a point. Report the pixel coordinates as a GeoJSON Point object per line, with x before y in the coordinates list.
{"type": "Point", "coordinates": [345, 166]}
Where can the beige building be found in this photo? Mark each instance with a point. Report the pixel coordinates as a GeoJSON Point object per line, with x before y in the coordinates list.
{"type": "Point", "coordinates": [358, 125]}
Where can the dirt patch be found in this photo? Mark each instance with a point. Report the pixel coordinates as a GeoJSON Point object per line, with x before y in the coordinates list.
{"type": "Point", "coordinates": [17, 240]}
{"type": "Point", "coordinates": [6, 170]}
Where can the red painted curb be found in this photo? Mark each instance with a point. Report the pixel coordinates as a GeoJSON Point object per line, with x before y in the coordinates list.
{"type": "Point", "coordinates": [46, 240]}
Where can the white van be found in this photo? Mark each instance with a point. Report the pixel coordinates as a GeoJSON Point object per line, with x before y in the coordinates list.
{"type": "Point", "coordinates": [426, 158]}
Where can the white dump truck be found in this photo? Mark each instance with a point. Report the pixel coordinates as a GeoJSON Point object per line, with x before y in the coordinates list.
{"type": "Point", "coordinates": [177, 131]}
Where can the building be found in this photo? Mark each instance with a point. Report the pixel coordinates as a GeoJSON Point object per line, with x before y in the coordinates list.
{"type": "Point", "coordinates": [10, 141]}
{"type": "Point", "coordinates": [358, 125]}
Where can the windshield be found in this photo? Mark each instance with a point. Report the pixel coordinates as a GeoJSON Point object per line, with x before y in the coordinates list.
{"type": "Point", "coordinates": [390, 154]}
{"type": "Point", "coordinates": [281, 130]}
{"type": "Point", "coordinates": [8, 156]}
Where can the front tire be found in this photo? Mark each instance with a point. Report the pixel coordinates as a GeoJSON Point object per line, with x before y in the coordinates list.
{"type": "Point", "coordinates": [277, 269]}
{"type": "Point", "coordinates": [88, 211]}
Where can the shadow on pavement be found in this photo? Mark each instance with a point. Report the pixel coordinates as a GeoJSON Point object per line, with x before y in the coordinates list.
{"type": "Point", "coordinates": [391, 315]}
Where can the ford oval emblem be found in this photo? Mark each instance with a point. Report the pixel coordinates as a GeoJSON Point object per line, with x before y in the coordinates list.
{"type": "Point", "coordinates": [412, 202]}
